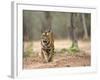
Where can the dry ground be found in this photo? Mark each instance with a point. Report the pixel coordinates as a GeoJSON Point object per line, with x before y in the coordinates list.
{"type": "Point", "coordinates": [82, 58]}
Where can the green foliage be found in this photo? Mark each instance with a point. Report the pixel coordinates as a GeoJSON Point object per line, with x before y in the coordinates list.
{"type": "Point", "coordinates": [29, 51]}
{"type": "Point", "coordinates": [74, 48]}
{"type": "Point", "coordinates": [63, 50]}
{"type": "Point", "coordinates": [27, 54]}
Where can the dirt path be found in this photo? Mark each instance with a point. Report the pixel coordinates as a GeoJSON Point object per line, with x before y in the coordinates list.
{"type": "Point", "coordinates": [82, 58]}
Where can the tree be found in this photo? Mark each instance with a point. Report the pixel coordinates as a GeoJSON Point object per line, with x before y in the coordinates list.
{"type": "Point", "coordinates": [46, 22]}
{"type": "Point", "coordinates": [85, 28]}
{"type": "Point", "coordinates": [74, 47]}
{"type": "Point", "coordinates": [27, 32]}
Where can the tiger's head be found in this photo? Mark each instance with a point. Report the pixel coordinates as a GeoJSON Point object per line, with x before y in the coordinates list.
{"type": "Point", "coordinates": [46, 37]}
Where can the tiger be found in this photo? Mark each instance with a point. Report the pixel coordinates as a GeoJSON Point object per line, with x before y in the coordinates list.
{"type": "Point", "coordinates": [47, 46]}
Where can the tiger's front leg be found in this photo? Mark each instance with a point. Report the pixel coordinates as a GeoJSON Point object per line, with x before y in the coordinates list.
{"type": "Point", "coordinates": [51, 55]}
{"type": "Point", "coordinates": [44, 56]}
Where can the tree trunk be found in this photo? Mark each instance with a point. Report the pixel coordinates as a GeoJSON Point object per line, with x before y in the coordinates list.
{"type": "Point", "coordinates": [85, 28]}
{"type": "Point", "coordinates": [46, 23]}
{"type": "Point", "coordinates": [74, 46]}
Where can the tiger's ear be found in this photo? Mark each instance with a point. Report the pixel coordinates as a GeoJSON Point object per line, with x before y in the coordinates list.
{"type": "Point", "coordinates": [43, 33]}
{"type": "Point", "coordinates": [49, 30]}
{"type": "Point", "coordinates": [47, 33]}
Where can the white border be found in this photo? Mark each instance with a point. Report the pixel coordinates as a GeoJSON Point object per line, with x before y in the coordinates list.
{"type": "Point", "coordinates": [17, 28]}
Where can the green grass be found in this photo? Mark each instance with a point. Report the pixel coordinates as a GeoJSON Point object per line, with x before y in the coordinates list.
{"type": "Point", "coordinates": [73, 50]}
{"type": "Point", "coordinates": [63, 50]}
{"type": "Point", "coordinates": [28, 52]}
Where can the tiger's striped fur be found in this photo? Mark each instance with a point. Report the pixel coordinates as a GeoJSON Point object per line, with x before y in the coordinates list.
{"type": "Point", "coordinates": [47, 46]}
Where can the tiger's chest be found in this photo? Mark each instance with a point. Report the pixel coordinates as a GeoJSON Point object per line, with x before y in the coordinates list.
{"type": "Point", "coordinates": [48, 47]}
